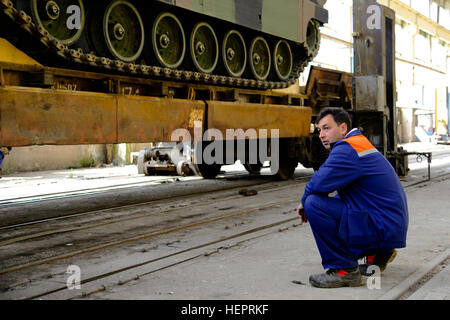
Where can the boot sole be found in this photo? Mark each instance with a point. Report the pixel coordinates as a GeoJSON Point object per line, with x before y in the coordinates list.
{"type": "Point", "coordinates": [353, 283]}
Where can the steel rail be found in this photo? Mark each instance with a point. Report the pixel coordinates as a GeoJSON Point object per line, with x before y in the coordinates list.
{"type": "Point", "coordinates": [122, 282]}
{"type": "Point", "coordinates": [156, 212]}
{"type": "Point", "coordinates": [90, 191]}
{"type": "Point", "coordinates": [130, 206]}
{"type": "Point", "coordinates": [118, 220]}
{"type": "Point", "coordinates": [76, 193]}
{"type": "Point", "coordinates": [170, 230]}
{"type": "Point", "coordinates": [138, 238]}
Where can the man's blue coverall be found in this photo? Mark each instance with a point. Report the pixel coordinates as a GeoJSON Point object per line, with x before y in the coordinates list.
{"type": "Point", "coordinates": [370, 211]}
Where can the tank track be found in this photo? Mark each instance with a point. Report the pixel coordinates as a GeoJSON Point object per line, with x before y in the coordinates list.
{"type": "Point", "coordinates": [80, 59]}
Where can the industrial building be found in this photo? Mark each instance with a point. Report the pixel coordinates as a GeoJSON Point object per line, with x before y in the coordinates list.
{"type": "Point", "coordinates": [422, 81]}
{"type": "Point", "coordinates": [224, 150]}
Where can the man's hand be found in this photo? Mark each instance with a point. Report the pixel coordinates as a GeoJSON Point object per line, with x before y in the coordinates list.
{"type": "Point", "coordinates": [301, 213]}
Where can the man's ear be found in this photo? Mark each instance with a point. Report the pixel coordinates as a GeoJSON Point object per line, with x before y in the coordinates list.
{"type": "Point", "coordinates": [343, 129]}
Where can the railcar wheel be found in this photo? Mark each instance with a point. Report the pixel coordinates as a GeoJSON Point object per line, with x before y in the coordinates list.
{"type": "Point", "coordinates": [123, 30]}
{"type": "Point", "coordinates": [282, 60]}
{"type": "Point", "coordinates": [204, 47]}
{"type": "Point", "coordinates": [169, 42]}
{"type": "Point", "coordinates": [234, 53]}
{"type": "Point", "coordinates": [253, 168]}
{"type": "Point", "coordinates": [286, 168]}
{"type": "Point", "coordinates": [53, 17]}
{"type": "Point", "coordinates": [208, 171]}
{"type": "Point", "coordinates": [259, 58]}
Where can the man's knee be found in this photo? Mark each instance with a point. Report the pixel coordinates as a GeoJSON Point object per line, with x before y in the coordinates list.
{"type": "Point", "coordinates": [311, 205]}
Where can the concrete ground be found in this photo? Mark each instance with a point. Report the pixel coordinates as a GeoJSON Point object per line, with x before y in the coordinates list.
{"type": "Point", "coordinates": [264, 267]}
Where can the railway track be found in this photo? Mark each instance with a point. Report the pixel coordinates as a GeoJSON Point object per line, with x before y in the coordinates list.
{"type": "Point", "coordinates": [254, 232]}
{"type": "Point", "coordinates": [88, 203]}
{"type": "Point", "coordinates": [145, 205]}
{"type": "Point", "coordinates": [191, 222]}
{"type": "Point", "coordinates": [14, 201]}
{"type": "Point", "coordinates": [108, 221]}
{"type": "Point", "coordinates": [78, 196]}
{"type": "Point", "coordinates": [78, 193]}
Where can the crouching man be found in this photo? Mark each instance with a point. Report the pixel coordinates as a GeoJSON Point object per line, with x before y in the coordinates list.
{"type": "Point", "coordinates": [368, 217]}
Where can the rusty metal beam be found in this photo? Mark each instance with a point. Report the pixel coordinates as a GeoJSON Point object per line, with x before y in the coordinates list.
{"type": "Point", "coordinates": [289, 120]}
{"type": "Point", "coordinates": [144, 119]}
{"type": "Point", "coordinates": [41, 116]}
{"type": "Point", "coordinates": [34, 116]}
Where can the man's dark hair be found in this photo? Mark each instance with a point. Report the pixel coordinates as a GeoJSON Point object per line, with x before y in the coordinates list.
{"type": "Point", "coordinates": [339, 115]}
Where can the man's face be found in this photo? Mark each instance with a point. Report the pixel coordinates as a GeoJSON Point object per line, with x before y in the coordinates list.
{"type": "Point", "coordinates": [330, 131]}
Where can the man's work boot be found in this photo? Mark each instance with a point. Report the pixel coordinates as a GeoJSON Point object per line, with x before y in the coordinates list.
{"type": "Point", "coordinates": [335, 278]}
{"type": "Point", "coordinates": [381, 260]}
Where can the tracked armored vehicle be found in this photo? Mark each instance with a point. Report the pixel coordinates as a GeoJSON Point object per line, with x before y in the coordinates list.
{"type": "Point", "coordinates": [262, 44]}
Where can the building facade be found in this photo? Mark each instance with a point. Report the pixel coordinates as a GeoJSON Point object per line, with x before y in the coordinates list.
{"type": "Point", "coordinates": [422, 75]}
{"type": "Point", "coordinates": [422, 61]}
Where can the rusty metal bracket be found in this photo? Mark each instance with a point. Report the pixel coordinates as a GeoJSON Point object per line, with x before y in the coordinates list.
{"type": "Point", "coordinates": [41, 79]}
{"type": "Point", "coordinates": [419, 155]}
{"type": "Point", "coordinates": [2, 78]}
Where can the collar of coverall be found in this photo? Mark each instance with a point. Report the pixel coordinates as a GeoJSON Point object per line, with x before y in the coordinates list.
{"type": "Point", "coordinates": [353, 132]}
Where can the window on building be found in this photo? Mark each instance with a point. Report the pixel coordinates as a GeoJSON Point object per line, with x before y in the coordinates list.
{"type": "Point", "coordinates": [439, 53]}
{"type": "Point", "coordinates": [421, 6]}
{"type": "Point", "coordinates": [405, 91]}
{"type": "Point", "coordinates": [444, 13]}
{"type": "Point", "coordinates": [419, 93]}
{"type": "Point", "coordinates": [434, 10]}
{"type": "Point", "coordinates": [423, 46]}
{"type": "Point", "coordinates": [404, 39]}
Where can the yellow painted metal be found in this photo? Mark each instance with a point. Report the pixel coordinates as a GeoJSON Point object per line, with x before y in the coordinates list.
{"type": "Point", "coordinates": [30, 116]}
{"type": "Point", "coordinates": [44, 116]}
{"type": "Point", "coordinates": [10, 54]}
{"type": "Point", "coordinates": [291, 121]}
{"type": "Point", "coordinates": [33, 116]}
{"type": "Point", "coordinates": [145, 119]}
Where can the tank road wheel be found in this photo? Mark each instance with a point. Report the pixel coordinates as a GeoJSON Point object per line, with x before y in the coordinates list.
{"type": "Point", "coordinates": [169, 42]}
{"type": "Point", "coordinates": [312, 43]}
{"type": "Point", "coordinates": [53, 17]}
{"type": "Point", "coordinates": [259, 58]}
{"type": "Point", "coordinates": [204, 47]}
{"type": "Point", "coordinates": [282, 60]}
{"type": "Point", "coordinates": [234, 53]}
{"type": "Point", "coordinates": [123, 31]}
